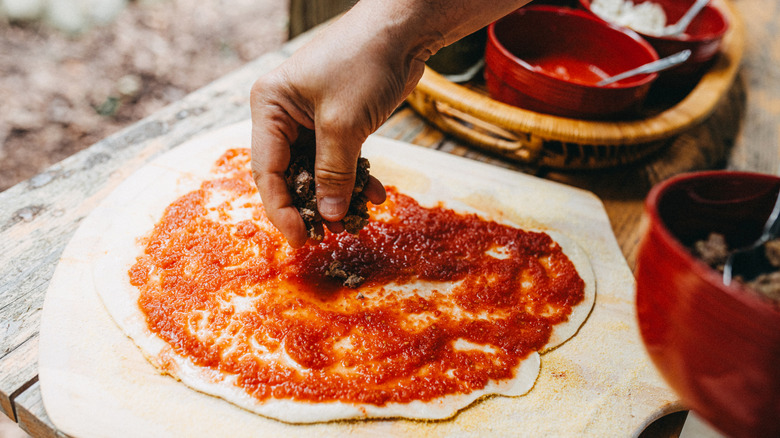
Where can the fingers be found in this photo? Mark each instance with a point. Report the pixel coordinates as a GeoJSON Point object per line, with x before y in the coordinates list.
{"type": "Point", "coordinates": [272, 133]}
{"type": "Point", "coordinates": [375, 191]}
{"type": "Point", "coordinates": [335, 227]}
{"type": "Point", "coordinates": [279, 209]}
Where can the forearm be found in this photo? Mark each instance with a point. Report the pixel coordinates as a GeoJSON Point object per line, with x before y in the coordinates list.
{"type": "Point", "coordinates": [422, 27]}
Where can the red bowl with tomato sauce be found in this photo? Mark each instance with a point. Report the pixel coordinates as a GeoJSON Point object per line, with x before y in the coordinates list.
{"type": "Point", "coordinates": [717, 346]}
{"type": "Point", "coordinates": [548, 59]}
{"type": "Point", "coordinates": [703, 38]}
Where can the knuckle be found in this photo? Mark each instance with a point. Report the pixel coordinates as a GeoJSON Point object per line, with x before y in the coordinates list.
{"type": "Point", "coordinates": [338, 123]}
{"type": "Point", "coordinates": [263, 90]}
{"type": "Point", "coordinates": [259, 88]}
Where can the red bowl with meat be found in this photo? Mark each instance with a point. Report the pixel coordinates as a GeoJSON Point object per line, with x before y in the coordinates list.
{"type": "Point", "coordinates": [717, 346]}
{"type": "Point", "coordinates": [703, 36]}
{"type": "Point", "coordinates": [548, 59]}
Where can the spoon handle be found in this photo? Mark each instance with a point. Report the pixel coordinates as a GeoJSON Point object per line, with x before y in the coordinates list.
{"type": "Point", "coordinates": [685, 20]}
{"type": "Point", "coordinates": [772, 226]}
{"type": "Point", "coordinates": [652, 67]}
{"type": "Point", "coordinates": [744, 262]}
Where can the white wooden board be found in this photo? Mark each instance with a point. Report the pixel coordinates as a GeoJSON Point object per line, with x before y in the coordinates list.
{"type": "Point", "coordinates": [96, 383]}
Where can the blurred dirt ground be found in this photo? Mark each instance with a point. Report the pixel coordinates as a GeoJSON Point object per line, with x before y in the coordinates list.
{"type": "Point", "coordinates": [61, 93]}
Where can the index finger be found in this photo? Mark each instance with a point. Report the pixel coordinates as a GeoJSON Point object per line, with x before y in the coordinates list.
{"type": "Point", "coordinates": [271, 139]}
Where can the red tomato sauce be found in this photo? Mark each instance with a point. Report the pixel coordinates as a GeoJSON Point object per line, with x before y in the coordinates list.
{"type": "Point", "coordinates": [231, 295]}
{"type": "Point", "coordinates": [570, 68]}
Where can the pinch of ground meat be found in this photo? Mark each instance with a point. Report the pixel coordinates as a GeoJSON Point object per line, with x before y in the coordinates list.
{"type": "Point", "coordinates": [357, 214]}
{"type": "Point", "coordinates": [357, 218]}
{"type": "Point", "coordinates": [304, 182]}
{"type": "Point", "coordinates": [300, 182]}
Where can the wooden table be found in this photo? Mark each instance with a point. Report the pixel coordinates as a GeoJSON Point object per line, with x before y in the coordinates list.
{"type": "Point", "coordinates": [38, 216]}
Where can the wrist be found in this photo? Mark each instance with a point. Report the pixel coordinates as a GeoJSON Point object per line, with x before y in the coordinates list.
{"type": "Point", "coordinates": [403, 26]}
{"type": "Point", "coordinates": [422, 27]}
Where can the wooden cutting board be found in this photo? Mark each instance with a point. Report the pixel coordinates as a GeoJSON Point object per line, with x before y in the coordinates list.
{"type": "Point", "coordinates": [96, 383]}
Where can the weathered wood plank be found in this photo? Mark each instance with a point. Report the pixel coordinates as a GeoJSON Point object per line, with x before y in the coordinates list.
{"type": "Point", "coordinates": [32, 416]}
{"type": "Point", "coordinates": [16, 374]}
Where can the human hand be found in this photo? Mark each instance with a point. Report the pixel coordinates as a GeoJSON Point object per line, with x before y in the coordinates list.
{"type": "Point", "coordinates": [343, 86]}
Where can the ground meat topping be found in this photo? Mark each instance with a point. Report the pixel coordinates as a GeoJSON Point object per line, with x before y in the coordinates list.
{"type": "Point", "coordinates": [337, 270]}
{"type": "Point", "coordinates": [300, 182]}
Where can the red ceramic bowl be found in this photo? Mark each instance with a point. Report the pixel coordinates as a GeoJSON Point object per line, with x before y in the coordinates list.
{"type": "Point", "coordinates": [703, 38]}
{"type": "Point", "coordinates": [717, 346]}
{"type": "Point", "coordinates": [548, 59]}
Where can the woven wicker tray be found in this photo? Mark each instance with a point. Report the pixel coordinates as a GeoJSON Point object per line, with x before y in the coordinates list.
{"type": "Point", "coordinates": [467, 112]}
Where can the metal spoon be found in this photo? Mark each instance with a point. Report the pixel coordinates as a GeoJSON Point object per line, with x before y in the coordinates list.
{"type": "Point", "coordinates": [749, 262]}
{"type": "Point", "coordinates": [685, 20]}
{"type": "Point", "coordinates": [650, 67]}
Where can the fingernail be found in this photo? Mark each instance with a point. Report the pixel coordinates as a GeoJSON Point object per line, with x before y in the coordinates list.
{"type": "Point", "coordinates": [332, 206]}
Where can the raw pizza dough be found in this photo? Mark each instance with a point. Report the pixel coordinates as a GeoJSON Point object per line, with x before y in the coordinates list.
{"type": "Point", "coordinates": [135, 211]}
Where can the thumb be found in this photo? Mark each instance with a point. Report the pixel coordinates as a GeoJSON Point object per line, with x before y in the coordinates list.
{"type": "Point", "coordinates": [334, 173]}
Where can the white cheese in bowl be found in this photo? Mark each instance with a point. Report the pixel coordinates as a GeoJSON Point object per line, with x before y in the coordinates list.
{"type": "Point", "coordinates": [647, 17]}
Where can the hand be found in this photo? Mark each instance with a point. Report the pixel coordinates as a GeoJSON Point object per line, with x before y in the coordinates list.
{"type": "Point", "coordinates": [343, 86]}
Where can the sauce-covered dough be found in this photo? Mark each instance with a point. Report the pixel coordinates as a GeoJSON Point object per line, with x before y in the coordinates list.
{"type": "Point", "coordinates": [449, 301]}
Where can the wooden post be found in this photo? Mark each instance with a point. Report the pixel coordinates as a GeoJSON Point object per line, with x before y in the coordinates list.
{"type": "Point", "coordinates": [305, 14]}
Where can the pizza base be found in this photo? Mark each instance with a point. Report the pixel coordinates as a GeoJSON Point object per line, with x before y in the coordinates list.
{"type": "Point", "coordinates": [566, 330]}
{"type": "Point", "coordinates": [120, 248]}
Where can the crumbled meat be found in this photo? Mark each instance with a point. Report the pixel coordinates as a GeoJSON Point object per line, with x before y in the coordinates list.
{"type": "Point", "coordinates": [300, 182]}
{"type": "Point", "coordinates": [714, 251]}
{"type": "Point", "coordinates": [767, 285]}
{"type": "Point", "coordinates": [357, 218]}
{"type": "Point", "coordinates": [336, 270]}
{"type": "Point", "coordinates": [357, 214]}
{"type": "Point", "coordinates": [353, 281]}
